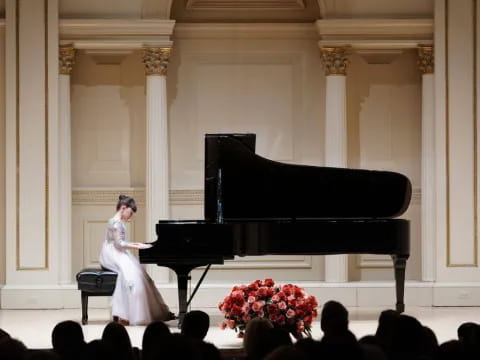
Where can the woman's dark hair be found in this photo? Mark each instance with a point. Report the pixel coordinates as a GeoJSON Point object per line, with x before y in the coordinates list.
{"type": "Point", "coordinates": [127, 201]}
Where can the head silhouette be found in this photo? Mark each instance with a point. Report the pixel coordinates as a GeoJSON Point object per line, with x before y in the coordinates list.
{"type": "Point", "coordinates": [334, 318]}
{"type": "Point", "coordinates": [195, 324]}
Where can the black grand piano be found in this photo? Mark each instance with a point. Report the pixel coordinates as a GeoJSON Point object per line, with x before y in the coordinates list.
{"type": "Point", "coordinates": [256, 206]}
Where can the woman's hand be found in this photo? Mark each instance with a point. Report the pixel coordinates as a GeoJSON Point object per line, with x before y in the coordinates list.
{"type": "Point", "coordinates": [143, 246]}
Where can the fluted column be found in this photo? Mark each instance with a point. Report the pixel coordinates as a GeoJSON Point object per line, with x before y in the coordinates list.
{"type": "Point", "coordinates": [335, 61]}
{"type": "Point", "coordinates": [66, 60]}
{"type": "Point", "coordinates": [157, 179]}
{"type": "Point", "coordinates": [426, 65]}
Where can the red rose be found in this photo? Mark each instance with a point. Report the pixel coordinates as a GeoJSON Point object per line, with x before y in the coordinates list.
{"type": "Point", "coordinates": [290, 313]}
{"type": "Point", "coordinates": [257, 305]}
{"type": "Point", "coordinates": [272, 308]}
{"type": "Point", "coordinates": [262, 292]}
{"type": "Point", "coordinates": [268, 282]}
{"type": "Point", "coordinates": [282, 305]}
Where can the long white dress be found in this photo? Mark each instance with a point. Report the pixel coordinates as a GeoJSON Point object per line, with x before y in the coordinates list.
{"type": "Point", "coordinates": [135, 297]}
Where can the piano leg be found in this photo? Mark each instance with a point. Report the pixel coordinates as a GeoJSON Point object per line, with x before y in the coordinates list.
{"type": "Point", "coordinates": [399, 263]}
{"type": "Point", "coordinates": [182, 280]}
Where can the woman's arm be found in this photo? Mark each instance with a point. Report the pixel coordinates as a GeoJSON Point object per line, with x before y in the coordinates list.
{"type": "Point", "coordinates": [120, 241]}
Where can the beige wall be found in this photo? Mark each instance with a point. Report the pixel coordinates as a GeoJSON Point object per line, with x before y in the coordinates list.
{"type": "Point", "coordinates": [384, 132]}
{"type": "Point", "coordinates": [108, 122]}
{"type": "Point", "coordinates": [2, 156]}
{"type": "Point", "coordinates": [108, 147]}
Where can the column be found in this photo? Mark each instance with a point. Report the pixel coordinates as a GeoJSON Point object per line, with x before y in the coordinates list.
{"type": "Point", "coordinates": [157, 179]}
{"type": "Point", "coordinates": [335, 60]}
{"type": "Point", "coordinates": [426, 65]}
{"type": "Point", "coordinates": [66, 60]}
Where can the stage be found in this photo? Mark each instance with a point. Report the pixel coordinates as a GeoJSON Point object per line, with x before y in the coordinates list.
{"type": "Point", "coordinates": [34, 327]}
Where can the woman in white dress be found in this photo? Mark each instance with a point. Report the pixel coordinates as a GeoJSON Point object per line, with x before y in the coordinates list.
{"type": "Point", "coordinates": [135, 300]}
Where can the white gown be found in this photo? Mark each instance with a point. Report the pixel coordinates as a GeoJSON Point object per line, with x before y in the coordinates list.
{"type": "Point", "coordinates": [135, 297]}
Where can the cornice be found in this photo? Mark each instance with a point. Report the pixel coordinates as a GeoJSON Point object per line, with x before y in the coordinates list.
{"type": "Point", "coordinates": [246, 31]}
{"type": "Point", "coordinates": [115, 34]}
{"type": "Point", "coordinates": [375, 27]}
{"type": "Point", "coordinates": [114, 27]}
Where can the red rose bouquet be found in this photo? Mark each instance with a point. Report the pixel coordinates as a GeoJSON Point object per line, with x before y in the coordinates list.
{"type": "Point", "coordinates": [287, 306]}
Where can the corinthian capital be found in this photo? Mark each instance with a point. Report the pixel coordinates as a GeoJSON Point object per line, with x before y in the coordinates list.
{"type": "Point", "coordinates": [335, 60]}
{"type": "Point", "coordinates": [426, 61]}
{"type": "Point", "coordinates": [156, 60]}
{"type": "Point", "coordinates": [66, 59]}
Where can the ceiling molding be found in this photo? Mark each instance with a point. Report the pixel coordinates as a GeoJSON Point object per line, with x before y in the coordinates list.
{"type": "Point", "coordinates": [246, 31]}
{"type": "Point", "coordinates": [115, 34]}
{"type": "Point", "coordinates": [245, 4]}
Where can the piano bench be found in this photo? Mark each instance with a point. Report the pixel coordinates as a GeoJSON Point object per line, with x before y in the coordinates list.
{"type": "Point", "coordinates": [94, 282]}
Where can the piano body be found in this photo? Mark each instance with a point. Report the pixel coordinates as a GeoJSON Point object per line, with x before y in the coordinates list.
{"type": "Point", "coordinates": [256, 206]}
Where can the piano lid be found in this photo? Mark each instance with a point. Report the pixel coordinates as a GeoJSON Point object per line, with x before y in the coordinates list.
{"type": "Point", "coordinates": [240, 185]}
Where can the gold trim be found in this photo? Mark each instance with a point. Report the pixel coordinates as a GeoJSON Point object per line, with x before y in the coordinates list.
{"type": "Point", "coordinates": [475, 147]}
{"type": "Point", "coordinates": [47, 209]}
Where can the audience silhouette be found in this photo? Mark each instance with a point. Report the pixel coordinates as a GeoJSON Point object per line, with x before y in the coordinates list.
{"type": "Point", "coordinates": [397, 337]}
{"type": "Point", "coordinates": [67, 340]}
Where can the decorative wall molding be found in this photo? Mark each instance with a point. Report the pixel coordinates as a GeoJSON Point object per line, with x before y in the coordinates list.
{"type": "Point", "coordinates": [246, 31]}
{"type": "Point", "coordinates": [416, 196]}
{"type": "Point", "coordinates": [105, 196]}
{"type": "Point", "coordinates": [89, 196]}
{"type": "Point", "coordinates": [115, 34]}
{"type": "Point", "coordinates": [374, 262]}
{"type": "Point", "coordinates": [186, 197]}
{"type": "Point", "coordinates": [245, 4]}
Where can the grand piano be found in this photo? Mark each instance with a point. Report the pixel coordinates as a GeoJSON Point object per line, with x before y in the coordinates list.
{"type": "Point", "coordinates": [256, 206]}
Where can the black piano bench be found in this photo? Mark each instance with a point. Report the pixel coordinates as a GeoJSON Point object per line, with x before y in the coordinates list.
{"type": "Point", "coordinates": [95, 282]}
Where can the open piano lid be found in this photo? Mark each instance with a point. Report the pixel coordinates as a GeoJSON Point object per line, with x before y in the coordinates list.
{"type": "Point", "coordinates": [241, 185]}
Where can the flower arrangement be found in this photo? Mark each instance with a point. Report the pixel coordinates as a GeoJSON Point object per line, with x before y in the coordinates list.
{"type": "Point", "coordinates": [287, 306]}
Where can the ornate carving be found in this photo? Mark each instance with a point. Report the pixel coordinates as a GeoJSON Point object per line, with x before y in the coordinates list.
{"type": "Point", "coordinates": [426, 61]}
{"type": "Point", "coordinates": [156, 60]}
{"type": "Point", "coordinates": [335, 60]}
{"type": "Point", "coordinates": [66, 59]}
